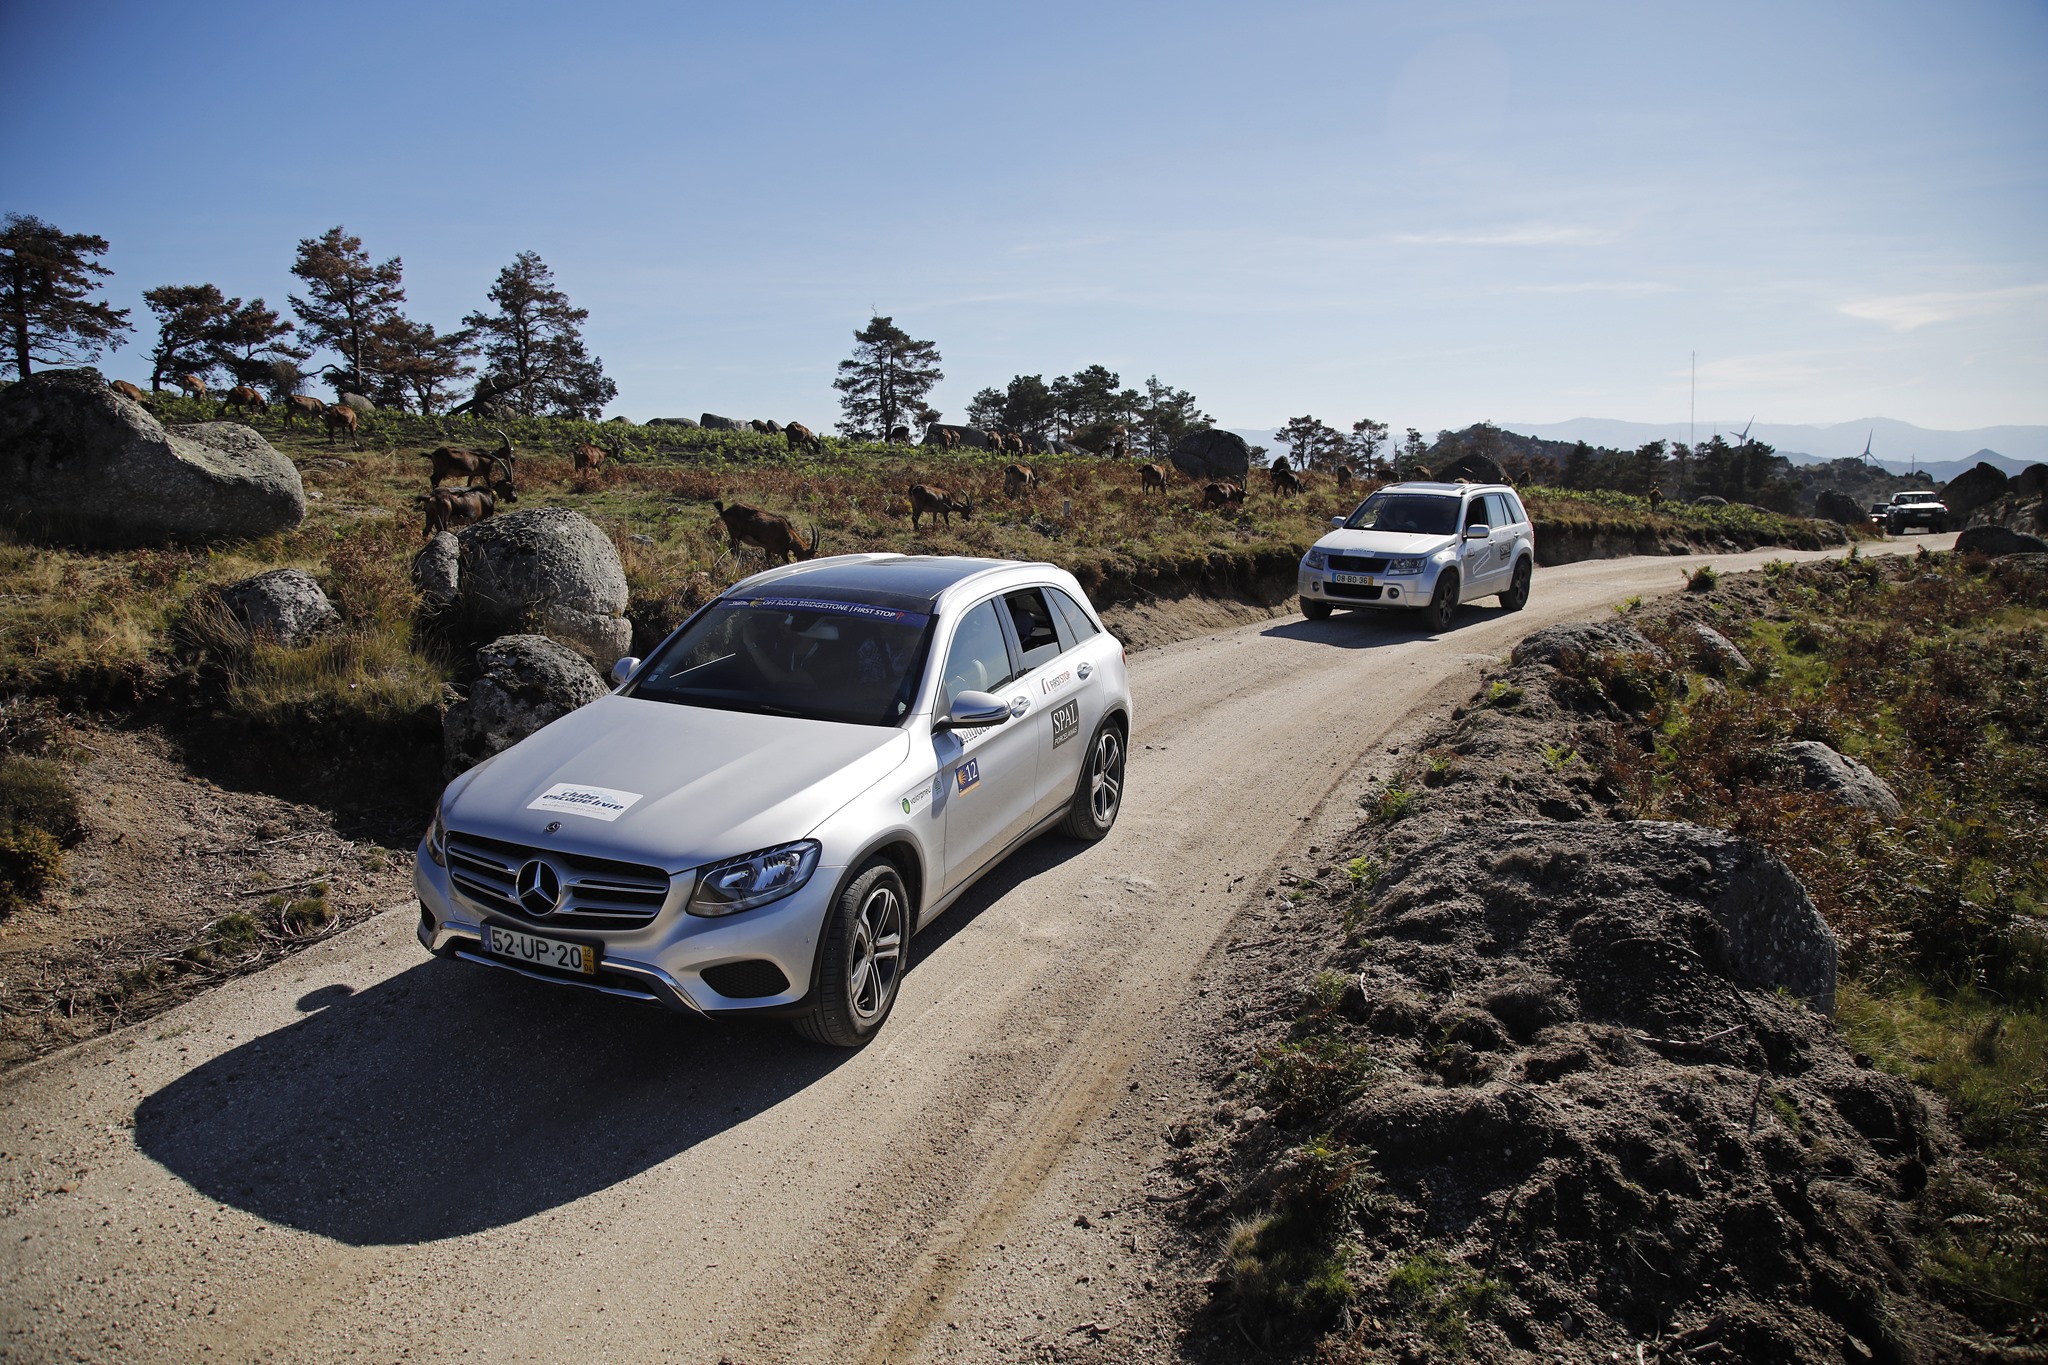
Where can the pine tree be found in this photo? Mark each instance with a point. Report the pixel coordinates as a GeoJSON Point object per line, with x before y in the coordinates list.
{"type": "Point", "coordinates": [885, 381]}
{"type": "Point", "coordinates": [249, 341]}
{"type": "Point", "coordinates": [187, 316]}
{"type": "Point", "coordinates": [1365, 446]}
{"type": "Point", "coordinates": [1311, 443]}
{"type": "Point", "coordinates": [47, 278]}
{"type": "Point", "coordinates": [347, 300]}
{"type": "Point", "coordinates": [1167, 415]}
{"type": "Point", "coordinates": [535, 340]}
{"type": "Point", "coordinates": [421, 362]}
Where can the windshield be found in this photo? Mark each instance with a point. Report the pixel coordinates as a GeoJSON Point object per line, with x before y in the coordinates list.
{"type": "Point", "coordinates": [787, 656]}
{"type": "Point", "coordinates": [1429, 514]}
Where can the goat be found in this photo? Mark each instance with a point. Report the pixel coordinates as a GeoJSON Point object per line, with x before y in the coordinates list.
{"type": "Point", "coordinates": [1656, 497]}
{"type": "Point", "coordinates": [801, 437]}
{"type": "Point", "coordinates": [448, 508]}
{"type": "Point", "coordinates": [341, 417]}
{"type": "Point", "coordinates": [899, 436]}
{"type": "Point", "coordinates": [937, 502]}
{"type": "Point", "coordinates": [1018, 478]}
{"type": "Point", "coordinates": [586, 457]}
{"type": "Point", "coordinates": [243, 397]}
{"type": "Point", "coordinates": [303, 405]}
{"type": "Point", "coordinates": [765, 428]}
{"type": "Point", "coordinates": [1285, 481]}
{"type": "Point", "coordinates": [1343, 479]}
{"type": "Point", "coordinates": [1152, 476]}
{"type": "Point", "coordinates": [1221, 495]}
{"type": "Point", "coordinates": [129, 392]}
{"type": "Point", "coordinates": [450, 461]}
{"type": "Point", "coordinates": [192, 384]}
{"type": "Point", "coordinates": [774, 533]}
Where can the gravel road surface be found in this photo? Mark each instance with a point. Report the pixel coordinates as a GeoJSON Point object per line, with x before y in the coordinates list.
{"type": "Point", "coordinates": [367, 1154]}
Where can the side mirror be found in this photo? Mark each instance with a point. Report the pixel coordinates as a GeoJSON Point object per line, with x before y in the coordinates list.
{"type": "Point", "coordinates": [1479, 533]}
{"type": "Point", "coordinates": [1337, 523]}
{"type": "Point", "coordinates": [971, 711]}
{"type": "Point", "coordinates": [623, 670]}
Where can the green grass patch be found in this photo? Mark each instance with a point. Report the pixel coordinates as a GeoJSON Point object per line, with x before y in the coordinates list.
{"type": "Point", "coordinates": [1440, 1296]}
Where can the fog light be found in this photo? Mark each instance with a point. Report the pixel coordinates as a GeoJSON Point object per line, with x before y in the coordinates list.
{"type": "Point", "coordinates": [1393, 592]}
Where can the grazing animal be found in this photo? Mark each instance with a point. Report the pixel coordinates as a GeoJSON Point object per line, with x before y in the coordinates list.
{"type": "Point", "coordinates": [937, 502]}
{"type": "Point", "coordinates": [774, 533]}
{"type": "Point", "coordinates": [1221, 495]}
{"type": "Point", "coordinates": [1656, 497]}
{"type": "Point", "coordinates": [1017, 478]}
{"type": "Point", "coordinates": [802, 437]}
{"type": "Point", "coordinates": [1343, 479]}
{"type": "Point", "coordinates": [129, 392]}
{"type": "Point", "coordinates": [586, 458]}
{"type": "Point", "coordinates": [450, 461]}
{"type": "Point", "coordinates": [192, 384]}
{"type": "Point", "coordinates": [949, 440]}
{"type": "Point", "coordinates": [899, 436]}
{"type": "Point", "coordinates": [243, 397]}
{"type": "Point", "coordinates": [1152, 476]}
{"type": "Point", "coordinates": [1285, 481]}
{"type": "Point", "coordinates": [448, 508]}
{"type": "Point", "coordinates": [765, 428]}
{"type": "Point", "coordinates": [303, 405]}
{"type": "Point", "coordinates": [341, 417]}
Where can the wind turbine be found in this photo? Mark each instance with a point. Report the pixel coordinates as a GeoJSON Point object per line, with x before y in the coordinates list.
{"type": "Point", "coordinates": [1866, 445]}
{"type": "Point", "coordinates": [1743, 439]}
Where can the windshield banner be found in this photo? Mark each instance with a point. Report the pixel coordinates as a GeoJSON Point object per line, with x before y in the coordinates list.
{"type": "Point", "coordinates": [862, 609]}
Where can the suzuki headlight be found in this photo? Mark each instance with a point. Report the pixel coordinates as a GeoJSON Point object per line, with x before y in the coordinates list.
{"type": "Point", "coordinates": [742, 883]}
{"type": "Point", "coordinates": [1404, 566]}
{"type": "Point", "coordinates": [1317, 558]}
{"type": "Point", "coordinates": [437, 840]}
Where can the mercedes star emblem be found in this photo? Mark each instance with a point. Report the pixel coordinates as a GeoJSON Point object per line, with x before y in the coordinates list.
{"type": "Point", "coordinates": [539, 888]}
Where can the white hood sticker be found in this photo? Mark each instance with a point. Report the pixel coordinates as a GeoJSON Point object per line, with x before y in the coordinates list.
{"type": "Point", "coordinates": [575, 798]}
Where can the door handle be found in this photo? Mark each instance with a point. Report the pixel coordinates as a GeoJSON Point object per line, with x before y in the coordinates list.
{"type": "Point", "coordinates": [1083, 671]}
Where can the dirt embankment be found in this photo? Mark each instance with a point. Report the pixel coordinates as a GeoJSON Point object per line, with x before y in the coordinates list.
{"type": "Point", "coordinates": [1517, 1074]}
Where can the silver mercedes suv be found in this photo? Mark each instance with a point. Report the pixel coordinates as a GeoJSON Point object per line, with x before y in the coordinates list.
{"type": "Point", "coordinates": [810, 769]}
{"type": "Point", "coordinates": [1428, 546]}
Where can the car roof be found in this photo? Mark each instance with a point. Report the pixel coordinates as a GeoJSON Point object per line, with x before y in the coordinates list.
{"type": "Point", "coordinates": [904, 582]}
{"type": "Point", "coordinates": [1447, 490]}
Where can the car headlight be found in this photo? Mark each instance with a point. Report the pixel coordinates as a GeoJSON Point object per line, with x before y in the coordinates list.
{"type": "Point", "coordinates": [1315, 559]}
{"type": "Point", "coordinates": [437, 840]}
{"type": "Point", "coordinates": [1404, 566]}
{"type": "Point", "coordinates": [742, 883]}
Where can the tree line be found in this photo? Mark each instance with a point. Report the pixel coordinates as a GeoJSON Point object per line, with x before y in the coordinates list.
{"type": "Point", "coordinates": [528, 342]}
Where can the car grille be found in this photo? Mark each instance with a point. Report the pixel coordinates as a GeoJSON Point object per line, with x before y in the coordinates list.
{"type": "Point", "coordinates": [1358, 564]}
{"type": "Point", "coordinates": [597, 893]}
{"type": "Point", "coordinates": [1371, 594]}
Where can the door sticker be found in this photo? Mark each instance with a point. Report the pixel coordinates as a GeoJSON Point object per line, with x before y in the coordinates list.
{"type": "Point", "coordinates": [968, 775]}
{"type": "Point", "coordinates": [917, 797]}
{"type": "Point", "coordinates": [1066, 720]}
{"type": "Point", "coordinates": [576, 798]}
{"type": "Point", "coordinates": [1047, 686]}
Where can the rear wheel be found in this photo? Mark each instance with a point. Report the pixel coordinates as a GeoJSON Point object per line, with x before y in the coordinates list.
{"type": "Point", "coordinates": [1443, 603]}
{"type": "Point", "coordinates": [1314, 610]}
{"type": "Point", "coordinates": [1517, 595]}
{"type": "Point", "coordinates": [1099, 795]}
{"type": "Point", "coordinates": [866, 946]}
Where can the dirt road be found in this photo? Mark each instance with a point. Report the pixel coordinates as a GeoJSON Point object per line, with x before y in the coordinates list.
{"type": "Point", "coordinates": [366, 1154]}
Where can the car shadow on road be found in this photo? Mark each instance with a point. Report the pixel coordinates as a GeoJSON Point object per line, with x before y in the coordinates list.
{"type": "Point", "coordinates": [451, 1098]}
{"type": "Point", "coordinates": [1041, 855]}
{"type": "Point", "coordinates": [1377, 629]}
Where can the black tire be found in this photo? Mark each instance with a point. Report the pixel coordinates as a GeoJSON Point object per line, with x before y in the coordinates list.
{"type": "Point", "coordinates": [1314, 610]}
{"type": "Point", "coordinates": [1443, 603]}
{"type": "Point", "coordinates": [1517, 595]}
{"type": "Point", "coordinates": [1891, 526]}
{"type": "Point", "coordinates": [863, 953]}
{"type": "Point", "coordinates": [1099, 795]}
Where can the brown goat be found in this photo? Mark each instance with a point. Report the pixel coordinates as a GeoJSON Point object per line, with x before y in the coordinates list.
{"type": "Point", "coordinates": [192, 384]}
{"type": "Point", "coordinates": [774, 533]}
{"type": "Point", "coordinates": [341, 417]}
{"type": "Point", "coordinates": [801, 437]}
{"type": "Point", "coordinates": [1018, 478]}
{"type": "Point", "coordinates": [448, 508]}
{"type": "Point", "coordinates": [243, 397]}
{"type": "Point", "coordinates": [1221, 495]}
{"type": "Point", "coordinates": [129, 392]}
{"type": "Point", "coordinates": [1285, 481]}
{"type": "Point", "coordinates": [937, 502]}
{"type": "Point", "coordinates": [899, 436]}
{"type": "Point", "coordinates": [303, 405]}
{"type": "Point", "coordinates": [1656, 497]}
{"type": "Point", "coordinates": [450, 461]}
{"type": "Point", "coordinates": [586, 457]}
{"type": "Point", "coordinates": [1152, 476]}
{"type": "Point", "coordinates": [765, 428]}
{"type": "Point", "coordinates": [949, 440]}
{"type": "Point", "coordinates": [1343, 478]}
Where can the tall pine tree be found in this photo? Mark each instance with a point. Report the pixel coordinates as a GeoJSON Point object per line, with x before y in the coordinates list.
{"type": "Point", "coordinates": [348, 298]}
{"type": "Point", "coordinates": [885, 382]}
{"type": "Point", "coordinates": [47, 279]}
{"type": "Point", "coordinates": [534, 345]}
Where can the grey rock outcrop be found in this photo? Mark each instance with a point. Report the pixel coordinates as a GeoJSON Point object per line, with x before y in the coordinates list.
{"type": "Point", "coordinates": [361, 404]}
{"type": "Point", "coordinates": [1212, 454]}
{"type": "Point", "coordinates": [1831, 504]}
{"type": "Point", "coordinates": [437, 570]}
{"type": "Point", "coordinates": [283, 605]}
{"type": "Point", "coordinates": [1710, 500]}
{"type": "Point", "coordinates": [1473, 467]}
{"type": "Point", "coordinates": [1971, 489]}
{"type": "Point", "coordinates": [623, 421]}
{"type": "Point", "coordinates": [968, 437]}
{"type": "Point", "coordinates": [81, 464]}
{"type": "Point", "coordinates": [523, 682]}
{"type": "Point", "coordinates": [1552, 645]}
{"type": "Point", "coordinates": [1713, 653]}
{"type": "Point", "coordinates": [1999, 541]}
{"type": "Point", "coordinates": [1822, 769]}
{"type": "Point", "coordinates": [689, 422]}
{"type": "Point", "coordinates": [713, 422]}
{"type": "Point", "coordinates": [550, 569]}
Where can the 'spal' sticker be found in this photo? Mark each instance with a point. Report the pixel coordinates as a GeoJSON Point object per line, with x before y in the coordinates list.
{"type": "Point", "coordinates": [575, 798]}
{"type": "Point", "coordinates": [968, 774]}
{"type": "Point", "coordinates": [1066, 723]}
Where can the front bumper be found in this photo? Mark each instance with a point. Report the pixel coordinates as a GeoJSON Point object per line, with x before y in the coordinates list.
{"type": "Point", "coordinates": [662, 963]}
{"type": "Point", "coordinates": [1385, 590]}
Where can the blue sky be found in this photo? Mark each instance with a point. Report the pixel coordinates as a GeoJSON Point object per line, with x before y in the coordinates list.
{"type": "Point", "coordinates": [1425, 214]}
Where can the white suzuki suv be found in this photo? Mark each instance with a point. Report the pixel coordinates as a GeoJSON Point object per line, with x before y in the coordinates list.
{"type": "Point", "coordinates": [1429, 546]}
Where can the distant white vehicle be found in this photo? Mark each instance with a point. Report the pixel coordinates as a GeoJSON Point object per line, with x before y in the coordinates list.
{"type": "Point", "coordinates": [1426, 546]}
{"type": "Point", "coordinates": [1921, 509]}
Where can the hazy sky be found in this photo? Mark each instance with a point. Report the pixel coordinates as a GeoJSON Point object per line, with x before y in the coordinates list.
{"type": "Point", "coordinates": [1425, 214]}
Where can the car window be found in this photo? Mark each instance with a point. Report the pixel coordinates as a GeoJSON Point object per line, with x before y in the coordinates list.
{"type": "Point", "coordinates": [1074, 620]}
{"type": "Point", "coordinates": [1497, 510]}
{"type": "Point", "coordinates": [1430, 514]}
{"type": "Point", "coordinates": [1476, 511]}
{"type": "Point", "coordinates": [1515, 506]}
{"type": "Point", "coordinates": [978, 659]}
{"type": "Point", "coordinates": [1036, 634]}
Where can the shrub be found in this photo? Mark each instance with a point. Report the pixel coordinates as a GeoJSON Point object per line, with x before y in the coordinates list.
{"type": "Point", "coordinates": [1702, 579]}
{"type": "Point", "coordinates": [29, 858]}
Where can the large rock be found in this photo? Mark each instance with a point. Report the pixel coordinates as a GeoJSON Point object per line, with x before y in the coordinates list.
{"type": "Point", "coordinates": [1832, 504]}
{"type": "Point", "coordinates": [1554, 645]}
{"type": "Point", "coordinates": [523, 682]}
{"type": "Point", "coordinates": [624, 421]}
{"type": "Point", "coordinates": [360, 404]}
{"type": "Point", "coordinates": [969, 437]}
{"type": "Point", "coordinates": [1212, 453]}
{"type": "Point", "coordinates": [1713, 653]}
{"type": "Point", "coordinates": [283, 605]}
{"type": "Point", "coordinates": [81, 464]}
{"type": "Point", "coordinates": [1999, 541]}
{"type": "Point", "coordinates": [713, 422]}
{"type": "Point", "coordinates": [671, 422]}
{"type": "Point", "coordinates": [2030, 482]}
{"type": "Point", "coordinates": [437, 570]}
{"type": "Point", "coordinates": [1822, 769]}
{"type": "Point", "coordinates": [550, 569]}
{"type": "Point", "coordinates": [1472, 467]}
{"type": "Point", "coordinates": [1971, 489]}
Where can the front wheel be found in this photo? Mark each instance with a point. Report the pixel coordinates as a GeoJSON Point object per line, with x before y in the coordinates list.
{"type": "Point", "coordinates": [1314, 610]}
{"type": "Point", "coordinates": [1517, 595]}
{"type": "Point", "coordinates": [1443, 603]}
{"type": "Point", "coordinates": [865, 947]}
{"type": "Point", "coordinates": [1099, 795]}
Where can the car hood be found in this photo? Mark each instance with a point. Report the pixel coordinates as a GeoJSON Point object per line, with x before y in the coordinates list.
{"type": "Point", "coordinates": [1392, 544]}
{"type": "Point", "coordinates": [704, 784]}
